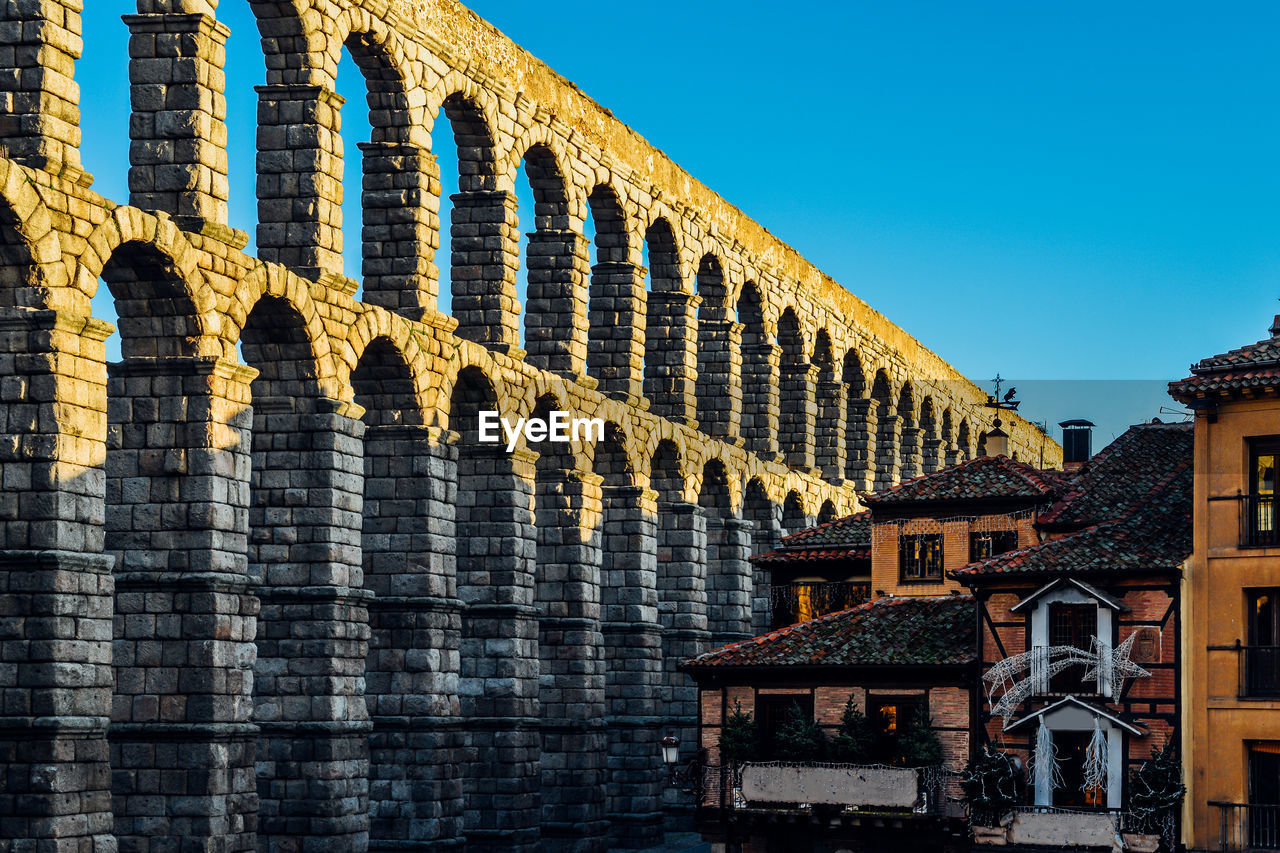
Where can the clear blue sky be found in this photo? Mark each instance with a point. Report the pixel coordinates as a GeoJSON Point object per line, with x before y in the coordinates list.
{"type": "Point", "coordinates": [1055, 191]}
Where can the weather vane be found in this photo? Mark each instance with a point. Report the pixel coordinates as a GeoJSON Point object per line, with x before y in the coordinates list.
{"type": "Point", "coordinates": [1006, 403]}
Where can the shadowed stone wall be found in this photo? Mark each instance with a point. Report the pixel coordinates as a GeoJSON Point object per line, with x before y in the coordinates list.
{"type": "Point", "coordinates": [262, 587]}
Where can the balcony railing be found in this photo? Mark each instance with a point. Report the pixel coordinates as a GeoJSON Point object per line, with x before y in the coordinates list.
{"type": "Point", "coordinates": [1258, 526]}
{"type": "Point", "coordinates": [1248, 826]}
{"type": "Point", "coordinates": [1259, 672]}
{"type": "Point", "coordinates": [852, 787]}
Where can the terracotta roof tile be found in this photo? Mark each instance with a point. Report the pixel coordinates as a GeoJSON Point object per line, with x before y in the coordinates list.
{"type": "Point", "coordinates": [1254, 366]}
{"type": "Point", "coordinates": [887, 631]}
{"type": "Point", "coordinates": [983, 477]}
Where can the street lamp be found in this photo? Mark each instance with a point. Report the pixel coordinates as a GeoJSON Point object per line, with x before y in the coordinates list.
{"type": "Point", "coordinates": [670, 755]}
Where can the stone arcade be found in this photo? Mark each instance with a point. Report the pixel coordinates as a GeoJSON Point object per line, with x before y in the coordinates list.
{"type": "Point", "coordinates": [261, 585]}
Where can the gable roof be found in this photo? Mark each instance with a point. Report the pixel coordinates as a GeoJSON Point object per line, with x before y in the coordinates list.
{"type": "Point", "coordinates": [847, 538]}
{"type": "Point", "coordinates": [917, 630]}
{"type": "Point", "coordinates": [1065, 701]}
{"type": "Point", "coordinates": [1239, 370]}
{"type": "Point", "coordinates": [1134, 501]}
{"type": "Point", "coordinates": [974, 479]}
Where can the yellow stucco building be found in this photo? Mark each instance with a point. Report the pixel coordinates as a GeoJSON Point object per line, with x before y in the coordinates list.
{"type": "Point", "coordinates": [1231, 601]}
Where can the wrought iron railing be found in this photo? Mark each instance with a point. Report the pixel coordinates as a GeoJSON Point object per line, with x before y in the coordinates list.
{"type": "Point", "coordinates": [1259, 672]}
{"type": "Point", "coordinates": [1258, 526]}
{"type": "Point", "coordinates": [1248, 826]}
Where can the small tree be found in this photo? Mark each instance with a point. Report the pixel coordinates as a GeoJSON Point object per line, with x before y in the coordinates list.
{"type": "Point", "coordinates": [799, 738]}
{"type": "Point", "coordinates": [739, 738]}
{"type": "Point", "coordinates": [857, 740]}
{"type": "Point", "coordinates": [918, 744]}
{"type": "Point", "coordinates": [993, 783]}
{"type": "Point", "coordinates": [1156, 792]}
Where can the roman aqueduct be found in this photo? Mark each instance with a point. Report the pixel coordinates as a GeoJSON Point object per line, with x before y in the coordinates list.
{"type": "Point", "coordinates": [261, 585]}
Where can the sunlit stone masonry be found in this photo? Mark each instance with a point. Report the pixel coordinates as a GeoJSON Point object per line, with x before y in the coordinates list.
{"type": "Point", "coordinates": [262, 587]}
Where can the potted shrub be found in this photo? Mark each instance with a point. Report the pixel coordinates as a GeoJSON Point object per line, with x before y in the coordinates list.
{"type": "Point", "coordinates": [1155, 798]}
{"type": "Point", "coordinates": [857, 739]}
{"type": "Point", "coordinates": [993, 783]}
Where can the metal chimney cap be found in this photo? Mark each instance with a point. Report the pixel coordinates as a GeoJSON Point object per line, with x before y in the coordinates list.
{"type": "Point", "coordinates": [1076, 422]}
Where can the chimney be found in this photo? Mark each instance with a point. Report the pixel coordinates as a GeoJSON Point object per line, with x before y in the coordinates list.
{"type": "Point", "coordinates": [1077, 441]}
{"type": "Point", "coordinates": [1275, 327]}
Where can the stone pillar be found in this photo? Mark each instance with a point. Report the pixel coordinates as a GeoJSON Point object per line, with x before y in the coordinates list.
{"type": "Point", "coordinates": [415, 620]}
{"type": "Point", "coordinates": [931, 459]}
{"type": "Point", "coordinates": [829, 430]}
{"type": "Point", "coordinates": [760, 366]}
{"type": "Point", "coordinates": [499, 684]}
{"type": "Point", "coordinates": [555, 328]}
{"type": "Point", "coordinates": [728, 580]}
{"type": "Point", "coordinates": [485, 262]}
{"type": "Point", "coordinates": [300, 178]}
{"type": "Point", "coordinates": [682, 610]}
{"type": "Point", "coordinates": [55, 584]}
{"type": "Point", "coordinates": [177, 516]}
{"type": "Point", "coordinates": [799, 411]}
{"type": "Point", "coordinates": [861, 428]}
{"type": "Point", "coordinates": [616, 331]}
{"type": "Point", "coordinates": [313, 631]}
{"type": "Point", "coordinates": [719, 362]}
{"type": "Point", "coordinates": [910, 452]}
{"type": "Point", "coordinates": [178, 153]}
{"type": "Point", "coordinates": [764, 536]}
{"type": "Point", "coordinates": [39, 97]}
{"type": "Point", "coordinates": [571, 694]}
{"type": "Point", "coordinates": [952, 456]}
{"type": "Point", "coordinates": [887, 442]}
{"type": "Point", "coordinates": [633, 661]}
{"type": "Point", "coordinates": [671, 356]}
{"type": "Point", "coordinates": [401, 203]}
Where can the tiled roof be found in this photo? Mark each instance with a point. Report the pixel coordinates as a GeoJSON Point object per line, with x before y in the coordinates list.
{"type": "Point", "coordinates": [850, 530]}
{"type": "Point", "coordinates": [1134, 500]}
{"type": "Point", "coordinates": [887, 631]}
{"type": "Point", "coordinates": [983, 477]}
{"type": "Point", "coordinates": [847, 538]}
{"type": "Point", "coordinates": [1122, 475]}
{"type": "Point", "coordinates": [1253, 366]}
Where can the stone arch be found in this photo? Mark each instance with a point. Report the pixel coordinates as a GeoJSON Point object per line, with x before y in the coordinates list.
{"type": "Point", "coordinates": [729, 577]}
{"type": "Point", "coordinates": [399, 207]}
{"type": "Point", "coordinates": [796, 394]}
{"type": "Point", "coordinates": [886, 440]}
{"type": "Point", "coordinates": [128, 225]}
{"type": "Point", "coordinates": [667, 474]}
{"type": "Point", "coordinates": [670, 352]}
{"type": "Point", "coordinates": [982, 444]}
{"type": "Point", "coordinates": [293, 45]}
{"type": "Point", "coordinates": [30, 250]}
{"type": "Point", "coordinates": [157, 314]}
{"type": "Point", "coordinates": [860, 425]}
{"type": "Point", "coordinates": [794, 518]}
{"type": "Point", "coordinates": [287, 293]}
{"type": "Point", "coordinates": [373, 326]}
{"type": "Point", "coordinates": [765, 517]}
{"type": "Point", "coordinates": [555, 305]}
{"type": "Point", "coordinates": [948, 438]}
{"type": "Point", "coordinates": [827, 513]}
{"type": "Point", "coordinates": [963, 440]}
{"type": "Point", "coordinates": [715, 494]}
{"type": "Point", "coordinates": [719, 338]}
{"type": "Point", "coordinates": [930, 444]}
{"type": "Point", "coordinates": [909, 432]}
{"type": "Point", "coordinates": [471, 111]}
{"type": "Point", "coordinates": [829, 426]}
{"type": "Point", "coordinates": [759, 424]}
{"type": "Point", "coordinates": [385, 386]}
{"type": "Point", "coordinates": [615, 333]}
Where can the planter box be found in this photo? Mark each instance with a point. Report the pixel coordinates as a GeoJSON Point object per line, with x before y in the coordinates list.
{"type": "Point", "coordinates": [1141, 843]}
{"type": "Point", "coordinates": [996, 836]}
{"type": "Point", "coordinates": [876, 787]}
{"type": "Point", "coordinates": [1051, 829]}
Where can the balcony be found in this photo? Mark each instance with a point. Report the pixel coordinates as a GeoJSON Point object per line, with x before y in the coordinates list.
{"type": "Point", "coordinates": [1258, 528]}
{"type": "Point", "coordinates": [1248, 827]}
{"type": "Point", "coordinates": [801, 601]}
{"type": "Point", "coordinates": [1049, 828]}
{"type": "Point", "coordinates": [1259, 671]}
{"type": "Point", "coordinates": [833, 788]}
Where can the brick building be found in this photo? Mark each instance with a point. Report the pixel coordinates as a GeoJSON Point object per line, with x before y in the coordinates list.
{"type": "Point", "coordinates": [818, 570]}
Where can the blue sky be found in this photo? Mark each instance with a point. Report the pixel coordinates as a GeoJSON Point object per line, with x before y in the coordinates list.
{"type": "Point", "coordinates": [1055, 191]}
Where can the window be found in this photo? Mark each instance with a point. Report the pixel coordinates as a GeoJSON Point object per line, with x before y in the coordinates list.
{"type": "Point", "coordinates": [799, 601]}
{"type": "Point", "coordinates": [889, 714]}
{"type": "Point", "coordinates": [1073, 625]}
{"type": "Point", "coordinates": [1258, 516]}
{"type": "Point", "coordinates": [1264, 795]}
{"type": "Point", "coordinates": [990, 543]}
{"type": "Point", "coordinates": [920, 557]}
{"type": "Point", "coordinates": [1262, 654]}
{"type": "Point", "coordinates": [772, 710]}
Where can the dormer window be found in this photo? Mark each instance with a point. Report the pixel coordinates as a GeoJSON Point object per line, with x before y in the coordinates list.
{"type": "Point", "coordinates": [920, 557]}
{"type": "Point", "coordinates": [1074, 625]}
{"type": "Point", "coordinates": [1069, 614]}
